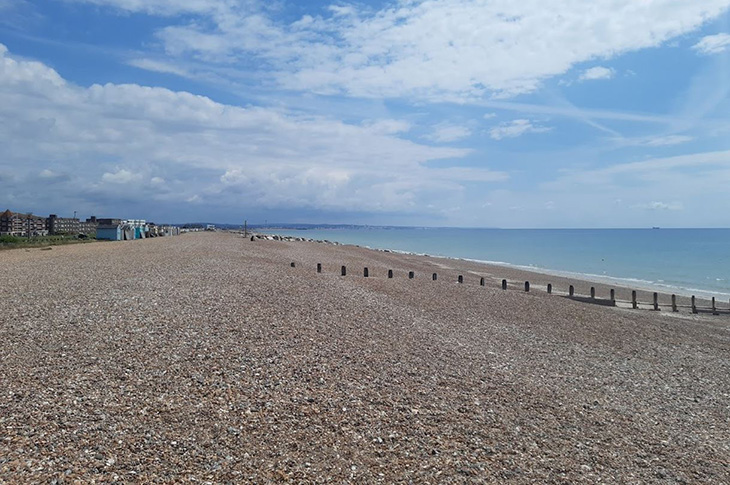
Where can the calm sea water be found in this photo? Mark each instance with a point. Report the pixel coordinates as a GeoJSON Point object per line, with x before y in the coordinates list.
{"type": "Point", "coordinates": [682, 261]}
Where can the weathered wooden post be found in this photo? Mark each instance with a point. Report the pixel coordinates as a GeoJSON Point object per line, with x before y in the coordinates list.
{"type": "Point", "coordinates": [319, 267]}
{"type": "Point", "coordinates": [714, 308]}
{"type": "Point", "coordinates": [571, 290]}
{"type": "Point", "coordinates": [656, 301]}
{"type": "Point", "coordinates": [460, 279]}
{"type": "Point", "coordinates": [694, 305]}
{"type": "Point", "coordinates": [634, 305]}
{"type": "Point", "coordinates": [593, 292]}
{"type": "Point", "coordinates": [481, 281]}
{"type": "Point", "coordinates": [390, 273]}
{"type": "Point", "coordinates": [292, 264]}
{"type": "Point", "coordinates": [434, 277]}
{"type": "Point", "coordinates": [550, 288]}
{"type": "Point", "coordinates": [613, 295]}
{"type": "Point", "coordinates": [527, 286]}
{"type": "Point", "coordinates": [504, 284]}
{"type": "Point", "coordinates": [411, 275]}
{"type": "Point", "coordinates": [365, 272]}
{"type": "Point", "coordinates": [252, 239]}
{"type": "Point", "coordinates": [344, 271]}
{"type": "Point", "coordinates": [674, 303]}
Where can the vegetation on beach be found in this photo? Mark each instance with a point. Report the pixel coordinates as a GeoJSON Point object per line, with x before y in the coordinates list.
{"type": "Point", "coordinates": [13, 242]}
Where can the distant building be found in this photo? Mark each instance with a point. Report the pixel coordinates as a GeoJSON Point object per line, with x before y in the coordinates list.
{"type": "Point", "coordinates": [25, 225]}
{"type": "Point", "coordinates": [62, 225]}
{"type": "Point", "coordinates": [88, 227]}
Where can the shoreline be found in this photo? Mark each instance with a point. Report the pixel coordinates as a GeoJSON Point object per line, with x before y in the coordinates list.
{"type": "Point", "coordinates": [603, 280]}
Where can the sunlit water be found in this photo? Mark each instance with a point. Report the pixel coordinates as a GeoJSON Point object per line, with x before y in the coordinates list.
{"type": "Point", "coordinates": [682, 261]}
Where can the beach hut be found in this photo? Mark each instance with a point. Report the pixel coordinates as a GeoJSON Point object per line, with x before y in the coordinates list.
{"type": "Point", "coordinates": [111, 232]}
{"type": "Point", "coordinates": [127, 232]}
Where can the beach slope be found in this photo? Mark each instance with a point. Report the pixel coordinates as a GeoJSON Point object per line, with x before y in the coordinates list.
{"type": "Point", "coordinates": [209, 357]}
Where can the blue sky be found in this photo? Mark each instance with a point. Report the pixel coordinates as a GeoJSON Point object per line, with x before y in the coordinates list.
{"type": "Point", "coordinates": [492, 113]}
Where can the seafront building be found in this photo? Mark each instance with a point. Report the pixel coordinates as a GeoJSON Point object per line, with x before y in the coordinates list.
{"type": "Point", "coordinates": [18, 224]}
{"type": "Point", "coordinates": [29, 225]}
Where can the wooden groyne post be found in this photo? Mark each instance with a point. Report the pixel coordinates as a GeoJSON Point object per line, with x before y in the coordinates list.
{"type": "Point", "coordinates": [460, 279]}
{"type": "Point", "coordinates": [390, 273]}
{"type": "Point", "coordinates": [411, 275]}
{"type": "Point", "coordinates": [593, 292]}
{"type": "Point", "coordinates": [293, 265]}
{"type": "Point", "coordinates": [365, 272]}
{"type": "Point", "coordinates": [613, 295]}
{"type": "Point", "coordinates": [674, 303]}
{"type": "Point", "coordinates": [344, 270]}
{"type": "Point", "coordinates": [482, 282]}
{"type": "Point", "coordinates": [504, 284]}
{"type": "Point", "coordinates": [634, 305]}
{"type": "Point", "coordinates": [694, 305]}
{"type": "Point", "coordinates": [319, 267]}
{"type": "Point", "coordinates": [527, 286]}
{"type": "Point", "coordinates": [714, 308]}
{"type": "Point", "coordinates": [571, 290]}
{"type": "Point", "coordinates": [656, 301]}
{"type": "Point", "coordinates": [550, 288]}
{"type": "Point", "coordinates": [434, 277]}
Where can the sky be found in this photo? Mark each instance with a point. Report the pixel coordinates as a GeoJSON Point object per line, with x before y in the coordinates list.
{"type": "Point", "coordinates": [468, 113]}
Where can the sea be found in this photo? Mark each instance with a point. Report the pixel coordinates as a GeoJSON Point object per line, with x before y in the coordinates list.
{"type": "Point", "coordinates": [682, 261]}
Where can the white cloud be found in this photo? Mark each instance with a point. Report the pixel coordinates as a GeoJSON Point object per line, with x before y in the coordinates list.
{"type": "Point", "coordinates": [489, 116]}
{"type": "Point", "coordinates": [515, 128]}
{"type": "Point", "coordinates": [661, 206]}
{"type": "Point", "coordinates": [459, 49]}
{"type": "Point", "coordinates": [597, 72]}
{"type": "Point", "coordinates": [128, 143]}
{"type": "Point", "coordinates": [445, 132]}
{"type": "Point", "coordinates": [47, 174]}
{"type": "Point", "coordinates": [120, 177]}
{"type": "Point", "coordinates": [388, 127]}
{"type": "Point", "coordinates": [655, 141]}
{"type": "Point", "coordinates": [713, 44]}
{"type": "Point", "coordinates": [158, 66]}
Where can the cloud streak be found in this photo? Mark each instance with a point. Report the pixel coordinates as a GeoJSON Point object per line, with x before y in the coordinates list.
{"type": "Point", "coordinates": [516, 128]}
{"type": "Point", "coordinates": [713, 44]}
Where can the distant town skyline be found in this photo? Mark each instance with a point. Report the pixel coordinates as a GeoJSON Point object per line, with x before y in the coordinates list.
{"type": "Point", "coordinates": [483, 113]}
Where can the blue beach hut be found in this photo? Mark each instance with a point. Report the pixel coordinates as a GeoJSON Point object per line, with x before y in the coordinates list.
{"type": "Point", "coordinates": [109, 233]}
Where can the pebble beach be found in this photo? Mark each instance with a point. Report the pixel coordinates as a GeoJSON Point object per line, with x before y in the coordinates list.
{"type": "Point", "coordinates": [208, 358]}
